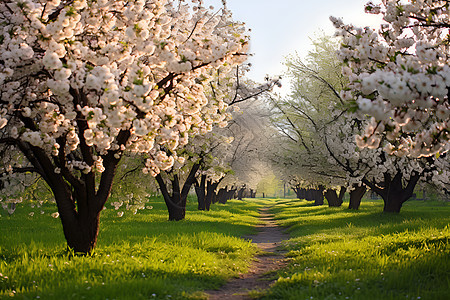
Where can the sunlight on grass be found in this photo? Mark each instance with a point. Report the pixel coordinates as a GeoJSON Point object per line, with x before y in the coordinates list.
{"type": "Point", "coordinates": [140, 256]}
{"type": "Point", "coordinates": [334, 253]}
{"type": "Point", "coordinates": [337, 253]}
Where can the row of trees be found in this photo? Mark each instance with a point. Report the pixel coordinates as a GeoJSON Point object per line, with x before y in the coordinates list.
{"type": "Point", "coordinates": [370, 109]}
{"type": "Point", "coordinates": [93, 91]}
{"type": "Point", "coordinates": [87, 84]}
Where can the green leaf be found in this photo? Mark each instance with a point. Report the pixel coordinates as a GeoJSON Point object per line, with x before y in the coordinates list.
{"type": "Point", "coordinates": [71, 11]}
{"type": "Point", "coordinates": [138, 81]}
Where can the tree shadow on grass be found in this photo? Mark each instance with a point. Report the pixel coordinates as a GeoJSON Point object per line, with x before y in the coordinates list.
{"type": "Point", "coordinates": [415, 271]}
{"type": "Point", "coordinates": [141, 284]}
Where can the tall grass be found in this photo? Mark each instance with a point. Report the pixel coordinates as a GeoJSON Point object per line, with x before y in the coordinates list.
{"type": "Point", "coordinates": [343, 254]}
{"type": "Point", "coordinates": [140, 256]}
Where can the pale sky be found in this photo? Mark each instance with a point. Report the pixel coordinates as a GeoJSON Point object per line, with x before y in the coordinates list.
{"type": "Point", "coordinates": [282, 27]}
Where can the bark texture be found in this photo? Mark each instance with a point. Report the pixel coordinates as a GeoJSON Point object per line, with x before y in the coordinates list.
{"type": "Point", "coordinates": [335, 200]}
{"type": "Point", "coordinates": [356, 195]}
{"type": "Point", "coordinates": [395, 190]}
{"type": "Point", "coordinates": [176, 202]}
{"type": "Point", "coordinates": [79, 197]}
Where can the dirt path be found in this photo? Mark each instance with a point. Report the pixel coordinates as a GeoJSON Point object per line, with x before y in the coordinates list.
{"type": "Point", "coordinates": [267, 239]}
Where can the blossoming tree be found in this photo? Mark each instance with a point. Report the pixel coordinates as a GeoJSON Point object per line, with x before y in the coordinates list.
{"type": "Point", "coordinates": [204, 160]}
{"type": "Point", "coordinates": [83, 82]}
{"type": "Point", "coordinates": [391, 177]}
{"type": "Point", "coordinates": [301, 119]}
{"type": "Point", "coordinates": [400, 75]}
{"type": "Point", "coordinates": [319, 131]}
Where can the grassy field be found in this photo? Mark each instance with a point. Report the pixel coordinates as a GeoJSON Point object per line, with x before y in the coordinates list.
{"type": "Point", "coordinates": [140, 256]}
{"type": "Point", "coordinates": [336, 253]}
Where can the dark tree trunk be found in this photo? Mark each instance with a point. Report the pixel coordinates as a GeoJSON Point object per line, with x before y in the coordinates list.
{"type": "Point", "coordinates": [176, 203]}
{"type": "Point", "coordinates": [342, 194]}
{"type": "Point", "coordinates": [300, 192]}
{"type": "Point", "coordinates": [309, 195]}
{"type": "Point", "coordinates": [393, 192]}
{"type": "Point", "coordinates": [210, 193]}
{"type": "Point", "coordinates": [332, 197]}
{"type": "Point", "coordinates": [79, 212]}
{"type": "Point", "coordinates": [231, 194]}
{"type": "Point", "coordinates": [79, 198]}
{"type": "Point", "coordinates": [200, 191]}
{"type": "Point", "coordinates": [222, 196]}
{"type": "Point", "coordinates": [81, 234]}
{"type": "Point", "coordinates": [240, 193]}
{"type": "Point", "coordinates": [356, 195]}
{"type": "Point", "coordinates": [215, 197]}
{"type": "Point", "coordinates": [318, 196]}
{"type": "Point", "coordinates": [209, 196]}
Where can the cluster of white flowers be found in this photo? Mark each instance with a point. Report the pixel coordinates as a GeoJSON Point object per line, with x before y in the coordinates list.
{"type": "Point", "coordinates": [78, 74]}
{"type": "Point", "coordinates": [131, 203]}
{"type": "Point", "coordinates": [365, 159]}
{"type": "Point", "coordinates": [400, 74]}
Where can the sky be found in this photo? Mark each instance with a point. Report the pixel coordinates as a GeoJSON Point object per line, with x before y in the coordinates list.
{"type": "Point", "coordinates": [283, 27]}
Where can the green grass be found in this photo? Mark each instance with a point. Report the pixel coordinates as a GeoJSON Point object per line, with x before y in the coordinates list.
{"type": "Point", "coordinates": [140, 256]}
{"type": "Point", "coordinates": [336, 253]}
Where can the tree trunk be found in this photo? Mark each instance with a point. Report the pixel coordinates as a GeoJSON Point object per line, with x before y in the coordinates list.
{"type": "Point", "coordinates": [332, 198]}
{"type": "Point", "coordinates": [176, 203]}
{"type": "Point", "coordinates": [222, 196]}
{"type": "Point", "coordinates": [300, 192]}
{"type": "Point", "coordinates": [240, 193]}
{"type": "Point", "coordinates": [200, 191]}
{"type": "Point", "coordinates": [356, 195]}
{"type": "Point", "coordinates": [318, 196]}
{"type": "Point", "coordinates": [215, 195]}
{"type": "Point", "coordinates": [82, 235]}
{"type": "Point", "coordinates": [231, 194]}
{"type": "Point", "coordinates": [80, 226]}
{"type": "Point", "coordinates": [342, 194]}
{"type": "Point", "coordinates": [394, 194]}
{"type": "Point", "coordinates": [210, 193]}
{"type": "Point", "coordinates": [309, 195]}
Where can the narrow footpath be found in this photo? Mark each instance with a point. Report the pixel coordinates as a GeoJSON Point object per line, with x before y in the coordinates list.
{"type": "Point", "coordinates": [259, 277]}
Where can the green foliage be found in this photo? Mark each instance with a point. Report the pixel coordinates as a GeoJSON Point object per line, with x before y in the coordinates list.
{"type": "Point", "coordinates": [38, 191]}
{"type": "Point", "coordinates": [269, 185]}
{"type": "Point", "coordinates": [139, 256]}
{"type": "Point", "coordinates": [336, 253]}
{"type": "Point", "coordinates": [308, 112]}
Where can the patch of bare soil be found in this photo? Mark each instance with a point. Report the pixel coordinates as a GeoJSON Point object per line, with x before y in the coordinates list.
{"type": "Point", "coordinates": [260, 275]}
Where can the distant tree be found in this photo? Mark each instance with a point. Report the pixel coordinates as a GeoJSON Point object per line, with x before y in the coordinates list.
{"type": "Point", "coordinates": [301, 119]}
{"type": "Point", "coordinates": [208, 154]}
{"type": "Point", "coordinates": [323, 143]}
